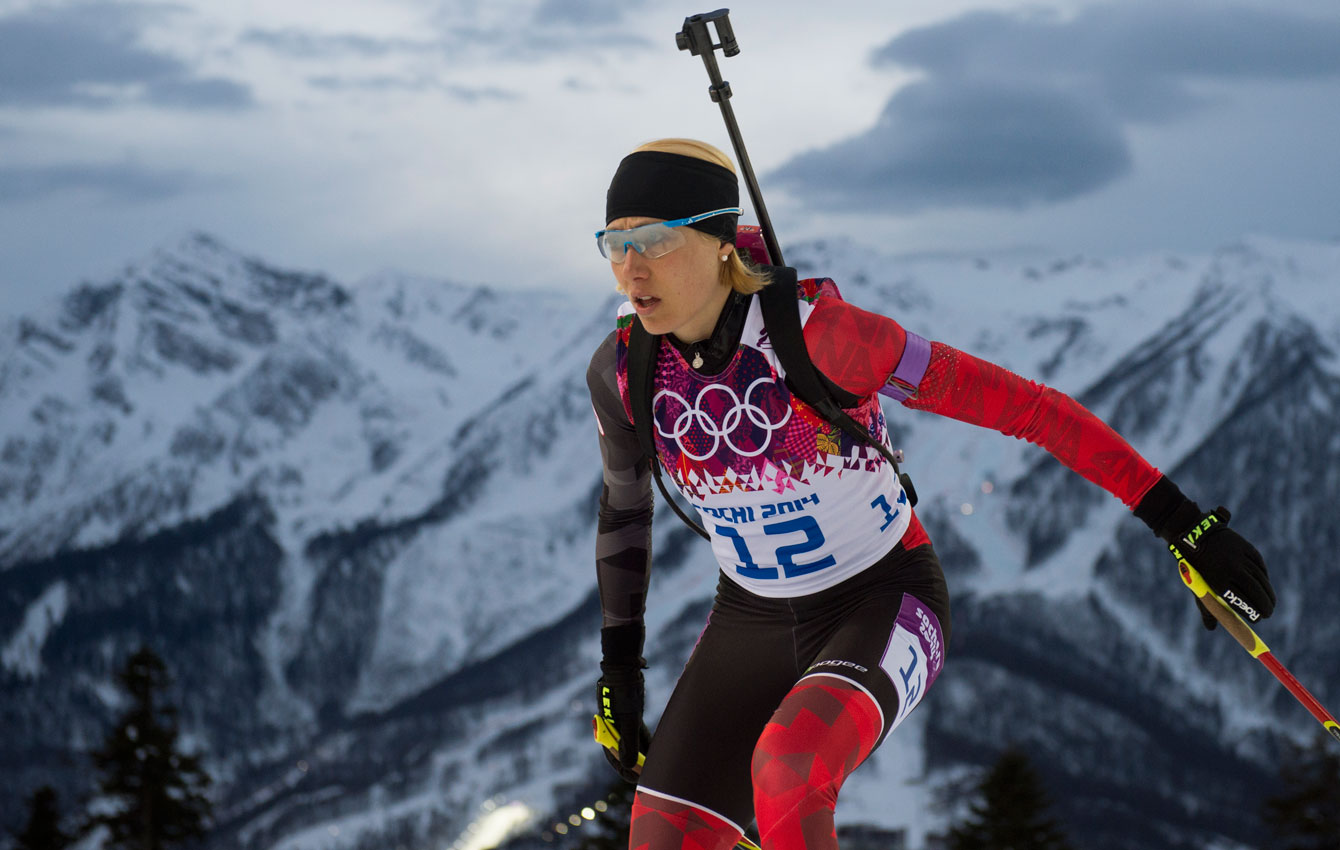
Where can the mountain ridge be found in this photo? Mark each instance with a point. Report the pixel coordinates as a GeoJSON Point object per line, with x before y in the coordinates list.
{"type": "Point", "coordinates": [405, 474]}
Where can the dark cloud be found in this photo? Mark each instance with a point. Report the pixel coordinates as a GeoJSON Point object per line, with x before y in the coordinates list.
{"type": "Point", "coordinates": [115, 182]}
{"type": "Point", "coordinates": [212, 93]}
{"type": "Point", "coordinates": [1016, 109]}
{"type": "Point", "coordinates": [553, 28]}
{"type": "Point", "coordinates": [475, 94]}
{"type": "Point", "coordinates": [302, 44]}
{"type": "Point", "coordinates": [583, 12]}
{"type": "Point", "coordinates": [539, 42]}
{"type": "Point", "coordinates": [542, 40]}
{"type": "Point", "coordinates": [391, 83]}
{"type": "Point", "coordinates": [378, 83]}
{"type": "Point", "coordinates": [87, 55]}
{"type": "Point", "coordinates": [939, 145]}
{"type": "Point", "coordinates": [1138, 58]}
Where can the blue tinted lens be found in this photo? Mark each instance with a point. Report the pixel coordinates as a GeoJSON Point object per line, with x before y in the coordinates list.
{"type": "Point", "coordinates": [650, 240]}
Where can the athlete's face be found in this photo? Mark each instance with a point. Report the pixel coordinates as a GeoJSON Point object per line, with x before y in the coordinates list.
{"type": "Point", "coordinates": [680, 292]}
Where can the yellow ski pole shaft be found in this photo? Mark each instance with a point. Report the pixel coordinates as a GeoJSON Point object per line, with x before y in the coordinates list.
{"type": "Point", "coordinates": [1238, 628]}
{"type": "Point", "coordinates": [608, 738]}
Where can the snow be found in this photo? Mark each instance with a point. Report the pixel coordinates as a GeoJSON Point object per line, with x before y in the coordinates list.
{"type": "Point", "coordinates": [893, 789]}
{"type": "Point", "coordinates": [425, 365]}
{"type": "Point", "coordinates": [494, 825]}
{"type": "Point", "coordinates": [23, 652]}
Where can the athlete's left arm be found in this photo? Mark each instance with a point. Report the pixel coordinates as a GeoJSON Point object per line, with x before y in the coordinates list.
{"type": "Point", "coordinates": [939, 378]}
{"type": "Point", "coordinates": [865, 352]}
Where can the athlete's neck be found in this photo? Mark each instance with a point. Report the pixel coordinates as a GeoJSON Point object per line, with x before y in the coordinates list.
{"type": "Point", "coordinates": [706, 320]}
{"type": "Point", "coordinates": [710, 355]}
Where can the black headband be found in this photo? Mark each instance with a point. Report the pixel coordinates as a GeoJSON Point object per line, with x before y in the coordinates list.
{"type": "Point", "coordinates": [667, 186]}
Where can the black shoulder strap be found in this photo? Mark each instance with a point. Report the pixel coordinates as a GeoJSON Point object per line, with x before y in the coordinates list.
{"type": "Point", "coordinates": [643, 349]}
{"type": "Point", "coordinates": [781, 316]}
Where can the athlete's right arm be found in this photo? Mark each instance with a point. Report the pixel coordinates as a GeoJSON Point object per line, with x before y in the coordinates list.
{"type": "Point", "coordinates": [623, 536]}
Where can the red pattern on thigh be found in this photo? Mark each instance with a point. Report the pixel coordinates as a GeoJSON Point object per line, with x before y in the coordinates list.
{"type": "Point", "coordinates": [662, 824]}
{"type": "Point", "coordinates": [823, 729]}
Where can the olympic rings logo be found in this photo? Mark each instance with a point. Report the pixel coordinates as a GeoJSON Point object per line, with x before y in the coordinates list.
{"type": "Point", "coordinates": [695, 415]}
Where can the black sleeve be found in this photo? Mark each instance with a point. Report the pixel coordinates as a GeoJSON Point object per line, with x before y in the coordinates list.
{"type": "Point", "coordinates": [623, 536]}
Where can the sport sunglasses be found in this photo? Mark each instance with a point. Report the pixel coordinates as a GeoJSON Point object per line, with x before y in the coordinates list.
{"type": "Point", "coordinates": [650, 240]}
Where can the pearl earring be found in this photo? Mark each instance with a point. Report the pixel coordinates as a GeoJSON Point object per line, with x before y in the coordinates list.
{"type": "Point", "coordinates": [725, 257]}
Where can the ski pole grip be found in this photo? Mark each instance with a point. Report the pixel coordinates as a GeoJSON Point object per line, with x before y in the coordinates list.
{"type": "Point", "coordinates": [1240, 631]}
{"type": "Point", "coordinates": [1232, 623]}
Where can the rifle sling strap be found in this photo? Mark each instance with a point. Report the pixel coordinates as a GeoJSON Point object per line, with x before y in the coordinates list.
{"type": "Point", "coordinates": [643, 349]}
{"type": "Point", "coordinates": [781, 317]}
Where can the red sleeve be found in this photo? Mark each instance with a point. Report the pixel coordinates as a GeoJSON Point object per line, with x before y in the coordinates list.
{"type": "Point", "coordinates": [971, 390]}
{"type": "Point", "coordinates": [856, 349]}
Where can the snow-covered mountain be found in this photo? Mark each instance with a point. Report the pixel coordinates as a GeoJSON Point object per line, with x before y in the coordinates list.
{"type": "Point", "coordinates": [358, 523]}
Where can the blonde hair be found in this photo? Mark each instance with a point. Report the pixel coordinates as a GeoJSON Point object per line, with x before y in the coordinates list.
{"type": "Point", "coordinates": [740, 276]}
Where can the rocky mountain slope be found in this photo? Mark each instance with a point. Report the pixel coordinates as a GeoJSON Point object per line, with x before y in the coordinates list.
{"type": "Point", "coordinates": [357, 521]}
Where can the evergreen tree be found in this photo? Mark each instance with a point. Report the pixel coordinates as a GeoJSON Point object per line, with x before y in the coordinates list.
{"type": "Point", "coordinates": [1306, 814]}
{"type": "Point", "coordinates": [43, 830]}
{"type": "Point", "coordinates": [156, 794]}
{"type": "Point", "coordinates": [1010, 812]}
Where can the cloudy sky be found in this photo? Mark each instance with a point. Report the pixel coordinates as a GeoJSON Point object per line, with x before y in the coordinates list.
{"type": "Point", "coordinates": [474, 141]}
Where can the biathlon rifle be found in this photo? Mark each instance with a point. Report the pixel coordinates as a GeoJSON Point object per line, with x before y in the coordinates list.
{"type": "Point", "coordinates": [695, 38]}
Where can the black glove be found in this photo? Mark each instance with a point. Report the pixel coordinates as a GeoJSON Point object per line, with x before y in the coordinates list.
{"type": "Point", "coordinates": [620, 695]}
{"type": "Point", "coordinates": [1230, 565]}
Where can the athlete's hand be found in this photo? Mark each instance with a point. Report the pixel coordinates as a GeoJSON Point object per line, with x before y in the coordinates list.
{"type": "Point", "coordinates": [1230, 565]}
{"type": "Point", "coordinates": [621, 695]}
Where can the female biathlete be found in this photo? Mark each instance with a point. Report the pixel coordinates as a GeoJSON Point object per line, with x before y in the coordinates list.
{"type": "Point", "coordinates": [831, 617]}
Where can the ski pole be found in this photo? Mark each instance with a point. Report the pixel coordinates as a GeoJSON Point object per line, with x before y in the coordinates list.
{"type": "Point", "coordinates": [1238, 628]}
{"type": "Point", "coordinates": [695, 38]}
{"type": "Point", "coordinates": [608, 738]}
